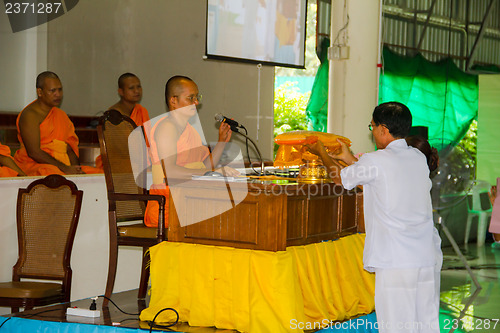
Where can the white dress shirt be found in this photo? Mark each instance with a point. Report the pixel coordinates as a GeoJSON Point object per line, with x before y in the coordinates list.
{"type": "Point", "coordinates": [397, 206]}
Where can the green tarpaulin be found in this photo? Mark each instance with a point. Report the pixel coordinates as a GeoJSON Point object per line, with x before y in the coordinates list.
{"type": "Point", "coordinates": [439, 95]}
{"type": "Point", "coordinates": [317, 107]}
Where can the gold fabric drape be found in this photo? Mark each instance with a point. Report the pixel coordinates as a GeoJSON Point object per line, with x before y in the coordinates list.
{"type": "Point", "coordinates": [260, 291]}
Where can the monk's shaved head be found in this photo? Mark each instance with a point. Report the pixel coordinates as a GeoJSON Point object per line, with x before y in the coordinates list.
{"type": "Point", "coordinates": [174, 86]}
{"type": "Point", "coordinates": [40, 79]}
{"type": "Point", "coordinates": [123, 77]}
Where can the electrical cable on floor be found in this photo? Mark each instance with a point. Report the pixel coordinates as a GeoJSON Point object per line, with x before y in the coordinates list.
{"type": "Point", "coordinates": [38, 313]}
{"type": "Point", "coordinates": [127, 313]}
{"type": "Point", "coordinates": [6, 320]}
{"type": "Point", "coordinates": [152, 323]}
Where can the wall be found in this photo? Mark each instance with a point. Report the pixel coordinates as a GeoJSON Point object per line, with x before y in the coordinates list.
{"type": "Point", "coordinates": [22, 56]}
{"type": "Point", "coordinates": [488, 123]}
{"type": "Point", "coordinates": [353, 76]}
{"type": "Point", "coordinates": [95, 42]}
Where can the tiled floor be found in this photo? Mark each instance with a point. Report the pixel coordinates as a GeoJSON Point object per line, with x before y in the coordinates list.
{"type": "Point", "coordinates": [458, 288]}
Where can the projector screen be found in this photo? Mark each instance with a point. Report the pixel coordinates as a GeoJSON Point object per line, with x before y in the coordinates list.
{"type": "Point", "coordinates": [270, 32]}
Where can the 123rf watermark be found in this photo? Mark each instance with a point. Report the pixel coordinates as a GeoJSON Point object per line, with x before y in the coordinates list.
{"type": "Point", "coordinates": [25, 14]}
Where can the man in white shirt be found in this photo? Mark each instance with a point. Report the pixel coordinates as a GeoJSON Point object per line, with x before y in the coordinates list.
{"type": "Point", "coordinates": [399, 244]}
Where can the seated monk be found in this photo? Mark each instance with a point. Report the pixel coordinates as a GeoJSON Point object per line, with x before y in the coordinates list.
{"type": "Point", "coordinates": [130, 91]}
{"type": "Point", "coordinates": [179, 145]}
{"type": "Point", "coordinates": [8, 168]}
{"type": "Point", "coordinates": [49, 144]}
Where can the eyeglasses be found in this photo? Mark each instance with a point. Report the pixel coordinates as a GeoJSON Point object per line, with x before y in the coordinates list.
{"type": "Point", "coordinates": [370, 127]}
{"type": "Point", "coordinates": [192, 98]}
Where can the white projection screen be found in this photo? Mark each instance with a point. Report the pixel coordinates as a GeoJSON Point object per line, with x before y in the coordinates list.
{"type": "Point", "coordinates": [270, 32]}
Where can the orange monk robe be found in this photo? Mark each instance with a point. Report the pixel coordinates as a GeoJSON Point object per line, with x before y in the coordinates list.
{"type": "Point", "coordinates": [6, 171]}
{"type": "Point", "coordinates": [139, 115]}
{"type": "Point", "coordinates": [190, 150]}
{"type": "Point", "coordinates": [56, 133]}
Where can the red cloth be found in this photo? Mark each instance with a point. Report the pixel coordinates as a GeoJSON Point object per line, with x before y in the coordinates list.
{"type": "Point", "coordinates": [6, 171]}
{"type": "Point", "coordinates": [56, 133]}
{"type": "Point", "coordinates": [189, 150]}
{"type": "Point", "coordinates": [139, 115]}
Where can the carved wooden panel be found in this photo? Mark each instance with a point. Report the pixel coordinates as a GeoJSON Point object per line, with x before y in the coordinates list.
{"type": "Point", "coordinates": [270, 218]}
{"type": "Point", "coordinates": [296, 218]}
{"type": "Point", "coordinates": [239, 224]}
{"type": "Point", "coordinates": [348, 216]}
{"type": "Point", "coordinates": [322, 217]}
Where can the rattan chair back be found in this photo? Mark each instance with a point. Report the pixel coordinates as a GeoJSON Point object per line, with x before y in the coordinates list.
{"type": "Point", "coordinates": [47, 216]}
{"type": "Point", "coordinates": [116, 129]}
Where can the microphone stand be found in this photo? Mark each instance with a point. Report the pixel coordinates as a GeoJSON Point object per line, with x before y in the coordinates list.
{"type": "Point", "coordinates": [234, 129]}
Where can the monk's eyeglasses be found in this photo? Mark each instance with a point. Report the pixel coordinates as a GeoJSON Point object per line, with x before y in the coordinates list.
{"type": "Point", "coordinates": [192, 98]}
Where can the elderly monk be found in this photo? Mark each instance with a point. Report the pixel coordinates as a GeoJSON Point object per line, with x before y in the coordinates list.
{"type": "Point", "coordinates": [130, 91]}
{"type": "Point", "coordinates": [179, 145]}
{"type": "Point", "coordinates": [8, 168]}
{"type": "Point", "coordinates": [49, 144]}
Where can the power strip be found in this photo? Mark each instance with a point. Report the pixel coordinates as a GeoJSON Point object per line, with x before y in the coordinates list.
{"type": "Point", "coordinates": [83, 312]}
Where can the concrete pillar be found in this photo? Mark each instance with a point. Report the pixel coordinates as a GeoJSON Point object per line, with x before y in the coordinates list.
{"type": "Point", "coordinates": [353, 58]}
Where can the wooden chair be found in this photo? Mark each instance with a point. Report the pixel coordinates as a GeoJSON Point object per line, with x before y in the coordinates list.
{"type": "Point", "coordinates": [47, 216]}
{"type": "Point", "coordinates": [127, 201]}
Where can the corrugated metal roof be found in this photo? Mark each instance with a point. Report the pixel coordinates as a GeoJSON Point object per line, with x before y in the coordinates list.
{"type": "Point", "coordinates": [452, 29]}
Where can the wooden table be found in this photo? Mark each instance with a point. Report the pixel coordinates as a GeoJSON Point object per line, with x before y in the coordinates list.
{"type": "Point", "coordinates": [273, 215]}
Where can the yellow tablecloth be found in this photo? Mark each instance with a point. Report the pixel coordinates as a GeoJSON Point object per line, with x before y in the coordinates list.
{"type": "Point", "coordinates": [260, 291]}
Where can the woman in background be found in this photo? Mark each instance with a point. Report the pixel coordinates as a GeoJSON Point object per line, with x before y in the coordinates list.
{"type": "Point", "coordinates": [423, 145]}
{"type": "Point", "coordinates": [495, 216]}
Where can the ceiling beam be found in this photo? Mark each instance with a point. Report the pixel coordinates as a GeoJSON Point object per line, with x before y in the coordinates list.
{"type": "Point", "coordinates": [426, 24]}
{"type": "Point", "coordinates": [479, 37]}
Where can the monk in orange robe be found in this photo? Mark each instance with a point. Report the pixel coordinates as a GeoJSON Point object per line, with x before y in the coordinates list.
{"type": "Point", "coordinates": [8, 168]}
{"type": "Point", "coordinates": [130, 91]}
{"type": "Point", "coordinates": [179, 145]}
{"type": "Point", "coordinates": [49, 144]}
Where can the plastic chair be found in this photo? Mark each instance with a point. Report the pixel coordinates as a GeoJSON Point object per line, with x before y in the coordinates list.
{"type": "Point", "coordinates": [47, 216]}
{"type": "Point", "coordinates": [479, 204]}
{"type": "Point", "coordinates": [127, 201]}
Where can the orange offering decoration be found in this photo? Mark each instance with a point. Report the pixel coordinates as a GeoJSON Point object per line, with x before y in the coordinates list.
{"type": "Point", "coordinates": [293, 150]}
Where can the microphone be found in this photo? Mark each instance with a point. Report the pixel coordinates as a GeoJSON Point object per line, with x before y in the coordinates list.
{"type": "Point", "coordinates": [221, 119]}
{"type": "Point", "coordinates": [234, 124]}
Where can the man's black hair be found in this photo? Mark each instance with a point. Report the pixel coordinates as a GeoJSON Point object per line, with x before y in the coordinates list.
{"type": "Point", "coordinates": [395, 116]}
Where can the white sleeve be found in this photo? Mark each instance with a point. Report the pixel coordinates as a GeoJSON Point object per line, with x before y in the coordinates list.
{"type": "Point", "coordinates": [359, 173]}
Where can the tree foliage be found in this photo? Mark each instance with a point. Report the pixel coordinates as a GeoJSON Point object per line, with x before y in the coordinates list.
{"type": "Point", "coordinates": [289, 109]}
{"type": "Point", "coordinates": [469, 145]}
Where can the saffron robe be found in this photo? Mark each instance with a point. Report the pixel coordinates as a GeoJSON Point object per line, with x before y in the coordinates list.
{"type": "Point", "coordinates": [190, 154]}
{"type": "Point", "coordinates": [6, 171]}
{"type": "Point", "coordinates": [139, 115]}
{"type": "Point", "coordinates": [56, 133]}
